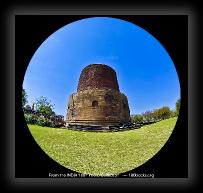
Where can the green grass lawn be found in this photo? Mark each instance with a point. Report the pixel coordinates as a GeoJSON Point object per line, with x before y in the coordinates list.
{"type": "Point", "coordinates": [103, 153]}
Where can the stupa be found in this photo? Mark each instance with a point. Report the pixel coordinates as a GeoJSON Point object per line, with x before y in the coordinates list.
{"type": "Point", "coordinates": [98, 101]}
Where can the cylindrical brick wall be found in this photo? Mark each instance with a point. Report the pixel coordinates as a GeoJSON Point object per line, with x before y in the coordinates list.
{"type": "Point", "coordinates": [97, 76]}
{"type": "Point", "coordinates": [98, 107]}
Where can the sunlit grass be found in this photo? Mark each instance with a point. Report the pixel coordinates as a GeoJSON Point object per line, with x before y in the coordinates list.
{"type": "Point", "coordinates": [103, 153]}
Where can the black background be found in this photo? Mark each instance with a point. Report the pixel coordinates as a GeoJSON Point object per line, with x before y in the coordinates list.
{"type": "Point", "coordinates": [170, 30]}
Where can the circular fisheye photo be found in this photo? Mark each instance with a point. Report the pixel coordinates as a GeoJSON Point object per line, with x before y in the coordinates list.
{"type": "Point", "coordinates": [101, 96]}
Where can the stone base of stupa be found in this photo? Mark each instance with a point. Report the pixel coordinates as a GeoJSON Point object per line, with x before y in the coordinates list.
{"type": "Point", "coordinates": [97, 107]}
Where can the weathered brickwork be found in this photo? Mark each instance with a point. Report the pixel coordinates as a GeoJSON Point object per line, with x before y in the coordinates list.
{"type": "Point", "coordinates": [98, 100]}
{"type": "Point", "coordinates": [97, 76]}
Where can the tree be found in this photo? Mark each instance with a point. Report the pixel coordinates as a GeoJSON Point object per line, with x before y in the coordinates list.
{"type": "Point", "coordinates": [173, 113]}
{"type": "Point", "coordinates": [137, 118]}
{"type": "Point", "coordinates": [24, 97]}
{"type": "Point", "coordinates": [33, 106]}
{"type": "Point", "coordinates": [157, 115]}
{"type": "Point", "coordinates": [177, 106]}
{"type": "Point", "coordinates": [27, 109]}
{"type": "Point", "coordinates": [44, 106]}
{"type": "Point", "coordinates": [162, 113]}
{"type": "Point", "coordinates": [148, 116]}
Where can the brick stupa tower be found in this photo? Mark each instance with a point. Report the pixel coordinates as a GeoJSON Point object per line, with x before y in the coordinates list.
{"type": "Point", "coordinates": [98, 101]}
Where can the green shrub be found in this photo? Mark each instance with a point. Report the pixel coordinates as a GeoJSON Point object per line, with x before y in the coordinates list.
{"type": "Point", "coordinates": [148, 116]}
{"type": "Point", "coordinates": [41, 121]}
{"type": "Point", "coordinates": [54, 121]}
{"type": "Point", "coordinates": [50, 123]}
{"type": "Point", "coordinates": [30, 118]}
{"type": "Point", "coordinates": [137, 118]}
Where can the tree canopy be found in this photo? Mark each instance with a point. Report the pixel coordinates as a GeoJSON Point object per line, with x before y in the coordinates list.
{"type": "Point", "coordinates": [24, 97]}
{"type": "Point", "coordinates": [177, 106]}
{"type": "Point", "coordinates": [44, 106]}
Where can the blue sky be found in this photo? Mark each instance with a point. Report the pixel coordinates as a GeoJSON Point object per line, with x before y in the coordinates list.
{"type": "Point", "coordinates": [146, 73]}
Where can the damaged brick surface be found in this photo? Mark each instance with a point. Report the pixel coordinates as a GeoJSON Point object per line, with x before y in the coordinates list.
{"type": "Point", "coordinates": [98, 76]}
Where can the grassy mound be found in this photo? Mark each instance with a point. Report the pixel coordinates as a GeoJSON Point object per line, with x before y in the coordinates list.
{"type": "Point", "coordinates": [103, 153]}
